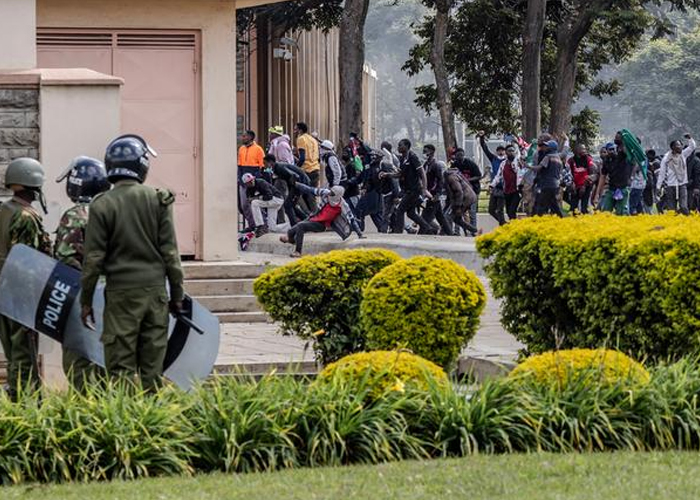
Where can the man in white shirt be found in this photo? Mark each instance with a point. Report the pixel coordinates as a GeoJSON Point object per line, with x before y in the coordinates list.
{"type": "Point", "coordinates": [673, 174]}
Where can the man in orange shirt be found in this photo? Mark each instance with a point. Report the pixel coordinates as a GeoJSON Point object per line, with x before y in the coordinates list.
{"type": "Point", "coordinates": [250, 161]}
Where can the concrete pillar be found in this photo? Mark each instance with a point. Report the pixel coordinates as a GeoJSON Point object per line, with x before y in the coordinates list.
{"type": "Point", "coordinates": [80, 114]}
{"type": "Point", "coordinates": [17, 34]}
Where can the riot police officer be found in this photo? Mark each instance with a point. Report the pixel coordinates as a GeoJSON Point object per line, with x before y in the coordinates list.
{"type": "Point", "coordinates": [85, 178]}
{"type": "Point", "coordinates": [21, 223]}
{"type": "Point", "coordinates": [130, 238]}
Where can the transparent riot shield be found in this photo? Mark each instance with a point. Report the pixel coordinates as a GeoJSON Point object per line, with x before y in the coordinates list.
{"type": "Point", "coordinates": [44, 295]}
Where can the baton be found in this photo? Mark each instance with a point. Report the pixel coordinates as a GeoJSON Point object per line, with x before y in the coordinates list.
{"type": "Point", "coordinates": [189, 323]}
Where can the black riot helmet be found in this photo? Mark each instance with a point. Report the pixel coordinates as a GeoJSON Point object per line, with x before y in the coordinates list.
{"type": "Point", "coordinates": [127, 158]}
{"type": "Point", "coordinates": [87, 178]}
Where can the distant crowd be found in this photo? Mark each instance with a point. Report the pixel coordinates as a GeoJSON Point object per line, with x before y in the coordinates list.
{"type": "Point", "coordinates": [312, 186]}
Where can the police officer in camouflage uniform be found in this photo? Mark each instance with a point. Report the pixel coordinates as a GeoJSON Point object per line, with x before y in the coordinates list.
{"type": "Point", "coordinates": [21, 223]}
{"type": "Point", "coordinates": [85, 178]}
{"type": "Point", "coordinates": [130, 238]}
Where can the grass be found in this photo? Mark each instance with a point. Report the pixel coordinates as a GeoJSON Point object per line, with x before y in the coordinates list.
{"type": "Point", "coordinates": [609, 476]}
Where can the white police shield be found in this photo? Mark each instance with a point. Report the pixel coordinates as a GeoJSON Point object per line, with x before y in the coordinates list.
{"type": "Point", "coordinates": [44, 295]}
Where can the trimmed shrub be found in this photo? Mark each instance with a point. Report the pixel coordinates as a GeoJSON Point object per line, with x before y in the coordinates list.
{"type": "Point", "coordinates": [426, 304]}
{"type": "Point", "coordinates": [629, 283]}
{"type": "Point", "coordinates": [386, 371]}
{"type": "Point", "coordinates": [598, 367]}
{"type": "Point", "coordinates": [318, 298]}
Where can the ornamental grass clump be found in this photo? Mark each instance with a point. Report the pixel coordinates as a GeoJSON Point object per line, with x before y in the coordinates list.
{"type": "Point", "coordinates": [386, 371]}
{"type": "Point", "coordinates": [318, 298]}
{"type": "Point", "coordinates": [594, 367]}
{"type": "Point", "coordinates": [628, 283]}
{"type": "Point", "coordinates": [428, 305]}
{"type": "Point", "coordinates": [108, 432]}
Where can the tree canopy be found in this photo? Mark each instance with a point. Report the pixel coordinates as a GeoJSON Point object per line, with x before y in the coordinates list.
{"type": "Point", "coordinates": [663, 86]}
{"type": "Point", "coordinates": [484, 52]}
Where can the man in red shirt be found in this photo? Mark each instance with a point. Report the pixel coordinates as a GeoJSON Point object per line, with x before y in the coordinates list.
{"type": "Point", "coordinates": [583, 172]}
{"type": "Point", "coordinates": [332, 200]}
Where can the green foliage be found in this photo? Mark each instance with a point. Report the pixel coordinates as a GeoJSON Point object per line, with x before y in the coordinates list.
{"type": "Point", "coordinates": [630, 283]}
{"type": "Point", "coordinates": [386, 370]}
{"type": "Point", "coordinates": [484, 47]}
{"type": "Point", "coordinates": [559, 368]}
{"type": "Point", "coordinates": [239, 425]}
{"type": "Point", "coordinates": [426, 304]}
{"type": "Point", "coordinates": [318, 298]}
{"type": "Point", "coordinates": [585, 127]}
{"type": "Point", "coordinates": [115, 433]}
{"type": "Point", "coordinates": [663, 85]}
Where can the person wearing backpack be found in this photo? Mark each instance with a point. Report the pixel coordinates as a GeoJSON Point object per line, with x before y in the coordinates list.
{"type": "Point", "coordinates": [460, 197]}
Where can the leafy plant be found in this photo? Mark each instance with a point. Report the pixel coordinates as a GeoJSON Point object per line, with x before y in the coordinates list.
{"type": "Point", "coordinates": [559, 368]}
{"type": "Point", "coordinates": [318, 298]}
{"type": "Point", "coordinates": [426, 304]}
{"type": "Point", "coordinates": [629, 283]}
{"type": "Point", "coordinates": [386, 371]}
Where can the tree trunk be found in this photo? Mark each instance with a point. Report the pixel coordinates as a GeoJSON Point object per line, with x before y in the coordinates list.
{"type": "Point", "coordinates": [532, 63]}
{"type": "Point", "coordinates": [563, 95]}
{"type": "Point", "coordinates": [569, 38]}
{"type": "Point", "coordinates": [442, 83]}
{"type": "Point", "coordinates": [351, 59]}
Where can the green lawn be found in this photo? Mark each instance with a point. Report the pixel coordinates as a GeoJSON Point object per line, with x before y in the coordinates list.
{"type": "Point", "coordinates": [610, 476]}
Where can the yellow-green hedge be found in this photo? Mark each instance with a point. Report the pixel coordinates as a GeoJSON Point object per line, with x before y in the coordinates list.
{"type": "Point", "coordinates": [631, 283]}
{"type": "Point", "coordinates": [386, 370]}
{"type": "Point", "coordinates": [597, 366]}
{"type": "Point", "coordinates": [426, 304]}
{"type": "Point", "coordinates": [318, 297]}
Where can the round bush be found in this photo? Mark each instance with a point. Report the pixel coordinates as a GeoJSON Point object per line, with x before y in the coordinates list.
{"type": "Point", "coordinates": [318, 298]}
{"type": "Point", "coordinates": [386, 371]}
{"type": "Point", "coordinates": [426, 304]}
{"type": "Point", "coordinates": [594, 366]}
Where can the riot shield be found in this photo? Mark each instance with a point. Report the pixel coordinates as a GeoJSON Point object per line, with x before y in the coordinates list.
{"type": "Point", "coordinates": [44, 295]}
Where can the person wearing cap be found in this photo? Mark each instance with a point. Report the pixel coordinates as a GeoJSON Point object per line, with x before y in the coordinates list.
{"type": "Point", "coordinates": [548, 171]}
{"type": "Point", "coordinates": [331, 209]}
{"type": "Point", "coordinates": [20, 223]}
{"type": "Point", "coordinates": [335, 173]}
{"type": "Point", "coordinates": [286, 175]}
{"type": "Point", "coordinates": [280, 146]}
{"type": "Point", "coordinates": [262, 194]}
{"type": "Point", "coordinates": [250, 161]}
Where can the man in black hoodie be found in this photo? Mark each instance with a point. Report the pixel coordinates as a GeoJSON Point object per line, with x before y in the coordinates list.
{"type": "Point", "coordinates": [472, 173]}
{"type": "Point", "coordinates": [413, 184]}
{"type": "Point", "coordinates": [434, 173]}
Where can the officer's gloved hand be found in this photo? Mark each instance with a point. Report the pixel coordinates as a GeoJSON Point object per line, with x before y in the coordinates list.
{"type": "Point", "coordinates": [176, 308]}
{"type": "Point", "coordinates": [88, 317]}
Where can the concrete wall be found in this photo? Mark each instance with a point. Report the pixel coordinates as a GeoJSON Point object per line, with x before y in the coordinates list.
{"type": "Point", "coordinates": [17, 34]}
{"type": "Point", "coordinates": [216, 19]}
{"type": "Point", "coordinates": [94, 113]}
{"type": "Point", "coordinates": [19, 126]}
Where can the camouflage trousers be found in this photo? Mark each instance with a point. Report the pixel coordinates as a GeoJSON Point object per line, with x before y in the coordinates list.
{"type": "Point", "coordinates": [21, 347]}
{"type": "Point", "coordinates": [135, 335]}
{"type": "Point", "coordinates": [79, 371]}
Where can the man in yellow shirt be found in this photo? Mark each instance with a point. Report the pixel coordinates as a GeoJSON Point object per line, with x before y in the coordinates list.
{"type": "Point", "coordinates": [250, 161]}
{"type": "Point", "coordinates": [307, 148]}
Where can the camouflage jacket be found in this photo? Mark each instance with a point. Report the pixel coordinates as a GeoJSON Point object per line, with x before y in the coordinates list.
{"type": "Point", "coordinates": [70, 236]}
{"type": "Point", "coordinates": [20, 223]}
